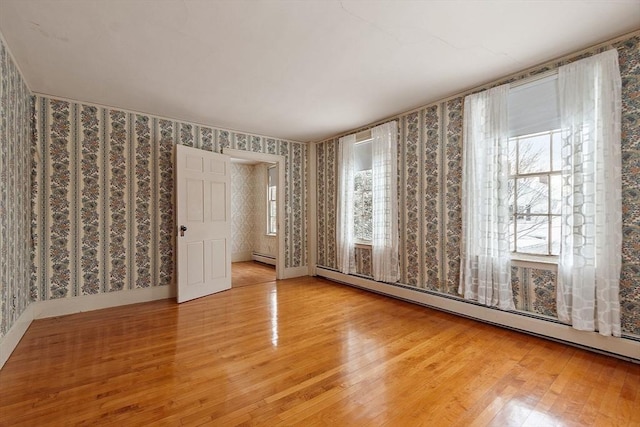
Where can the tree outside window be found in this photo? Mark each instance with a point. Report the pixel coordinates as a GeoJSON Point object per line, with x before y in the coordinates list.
{"type": "Point", "coordinates": [535, 193]}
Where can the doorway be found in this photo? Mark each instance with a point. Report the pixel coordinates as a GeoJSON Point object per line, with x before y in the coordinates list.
{"type": "Point", "coordinates": [257, 240]}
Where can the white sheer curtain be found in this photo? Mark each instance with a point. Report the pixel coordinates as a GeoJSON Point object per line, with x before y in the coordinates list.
{"type": "Point", "coordinates": [485, 258]}
{"type": "Point", "coordinates": [590, 251]}
{"type": "Point", "coordinates": [345, 220]}
{"type": "Point", "coordinates": [384, 171]}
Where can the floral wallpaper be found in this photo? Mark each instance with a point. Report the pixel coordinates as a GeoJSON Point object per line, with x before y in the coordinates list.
{"type": "Point", "coordinates": [103, 196]}
{"type": "Point", "coordinates": [15, 186]}
{"type": "Point", "coordinates": [534, 290]}
{"type": "Point", "coordinates": [629, 58]}
{"type": "Point", "coordinates": [429, 178]}
{"type": "Point", "coordinates": [363, 261]}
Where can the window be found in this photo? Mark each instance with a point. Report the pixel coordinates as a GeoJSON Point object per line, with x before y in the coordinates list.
{"type": "Point", "coordinates": [535, 193]}
{"type": "Point", "coordinates": [362, 193]}
{"type": "Point", "coordinates": [367, 208]}
{"type": "Point", "coordinates": [547, 174]}
{"type": "Point", "coordinates": [272, 207]}
{"type": "Point", "coordinates": [534, 167]}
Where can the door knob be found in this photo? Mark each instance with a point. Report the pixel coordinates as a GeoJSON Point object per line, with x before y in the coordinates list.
{"type": "Point", "coordinates": [182, 230]}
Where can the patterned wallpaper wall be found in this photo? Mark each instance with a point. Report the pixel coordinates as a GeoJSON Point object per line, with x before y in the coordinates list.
{"type": "Point", "coordinates": [243, 209]}
{"type": "Point", "coordinates": [429, 175]}
{"type": "Point", "coordinates": [534, 290]}
{"type": "Point", "coordinates": [103, 196]}
{"type": "Point", "coordinates": [15, 205]}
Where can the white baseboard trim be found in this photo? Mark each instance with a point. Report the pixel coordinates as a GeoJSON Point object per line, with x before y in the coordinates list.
{"type": "Point", "coordinates": [241, 256]}
{"type": "Point", "coordinates": [292, 272]}
{"type": "Point", "coordinates": [265, 259]}
{"type": "Point", "coordinates": [623, 347]}
{"type": "Point", "coordinates": [13, 336]}
{"type": "Point", "coordinates": [63, 306]}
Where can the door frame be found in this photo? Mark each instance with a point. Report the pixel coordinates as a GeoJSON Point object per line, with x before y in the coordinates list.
{"type": "Point", "coordinates": [280, 162]}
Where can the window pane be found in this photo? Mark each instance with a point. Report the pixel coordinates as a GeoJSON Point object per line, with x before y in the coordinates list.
{"type": "Point", "coordinates": [272, 214]}
{"type": "Point", "coordinates": [363, 155]}
{"type": "Point", "coordinates": [533, 235]}
{"type": "Point", "coordinates": [513, 155]}
{"type": "Point", "coordinates": [533, 195]}
{"type": "Point", "coordinates": [363, 202]}
{"type": "Point", "coordinates": [557, 151]}
{"type": "Point", "coordinates": [555, 235]}
{"type": "Point", "coordinates": [512, 235]}
{"type": "Point", "coordinates": [533, 154]}
{"type": "Point", "coordinates": [271, 176]}
{"type": "Point", "coordinates": [556, 194]}
{"type": "Point", "coordinates": [511, 185]}
{"type": "Point", "coordinates": [534, 106]}
{"type": "Point", "coordinates": [272, 180]}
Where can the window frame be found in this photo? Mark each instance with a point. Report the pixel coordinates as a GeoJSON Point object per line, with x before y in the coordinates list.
{"type": "Point", "coordinates": [270, 201]}
{"type": "Point", "coordinates": [517, 130]}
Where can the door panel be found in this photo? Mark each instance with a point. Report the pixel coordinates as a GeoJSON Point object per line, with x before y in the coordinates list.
{"type": "Point", "coordinates": [204, 209]}
{"type": "Point", "coordinates": [195, 256]}
{"type": "Point", "coordinates": [217, 258]}
{"type": "Point", "coordinates": [194, 163]}
{"type": "Point", "coordinates": [195, 200]}
{"type": "Point", "coordinates": [218, 167]}
{"type": "Point", "coordinates": [218, 192]}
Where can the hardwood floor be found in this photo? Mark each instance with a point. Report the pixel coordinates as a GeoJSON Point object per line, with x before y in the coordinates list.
{"type": "Point", "coordinates": [251, 273]}
{"type": "Point", "coordinates": [304, 352]}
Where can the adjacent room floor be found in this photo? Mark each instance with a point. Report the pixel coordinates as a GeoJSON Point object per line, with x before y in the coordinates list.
{"type": "Point", "coordinates": [251, 273]}
{"type": "Point", "coordinates": [304, 352]}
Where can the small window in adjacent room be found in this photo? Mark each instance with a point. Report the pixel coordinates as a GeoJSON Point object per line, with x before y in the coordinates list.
{"type": "Point", "coordinates": [272, 207]}
{"type": "Point", "coordinates": [362, 191]}
{"type": "Point", "coordinates": [534, 168]}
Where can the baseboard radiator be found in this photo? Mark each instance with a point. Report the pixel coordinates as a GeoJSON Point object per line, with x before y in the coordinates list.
{"type": "Point", "coordinates": [264, 258]}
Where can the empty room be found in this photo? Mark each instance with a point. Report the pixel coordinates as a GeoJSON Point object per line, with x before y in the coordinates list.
{"type": "Point", "coordinates": [319, 212]}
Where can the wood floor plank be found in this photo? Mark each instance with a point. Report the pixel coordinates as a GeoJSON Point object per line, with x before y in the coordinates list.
{"type": "Point", "coordinates": [251, 273]}
{"type": "Point", "coordinates": [303, 352]}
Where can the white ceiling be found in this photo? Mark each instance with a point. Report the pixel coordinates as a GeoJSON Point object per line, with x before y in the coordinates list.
{"type": "Point", "coordinates": [301, 70]}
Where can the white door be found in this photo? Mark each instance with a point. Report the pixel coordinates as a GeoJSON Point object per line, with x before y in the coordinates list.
{"type": "Point", "coordinates": [203, 222]}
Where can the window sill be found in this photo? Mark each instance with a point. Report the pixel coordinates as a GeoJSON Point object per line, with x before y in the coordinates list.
{"type": "Point", "coordinates": [270, 234]}
{"type": "Point", "coordinates": [362, 245]}
{"type": "Point", "coordinates": [544, 262]}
